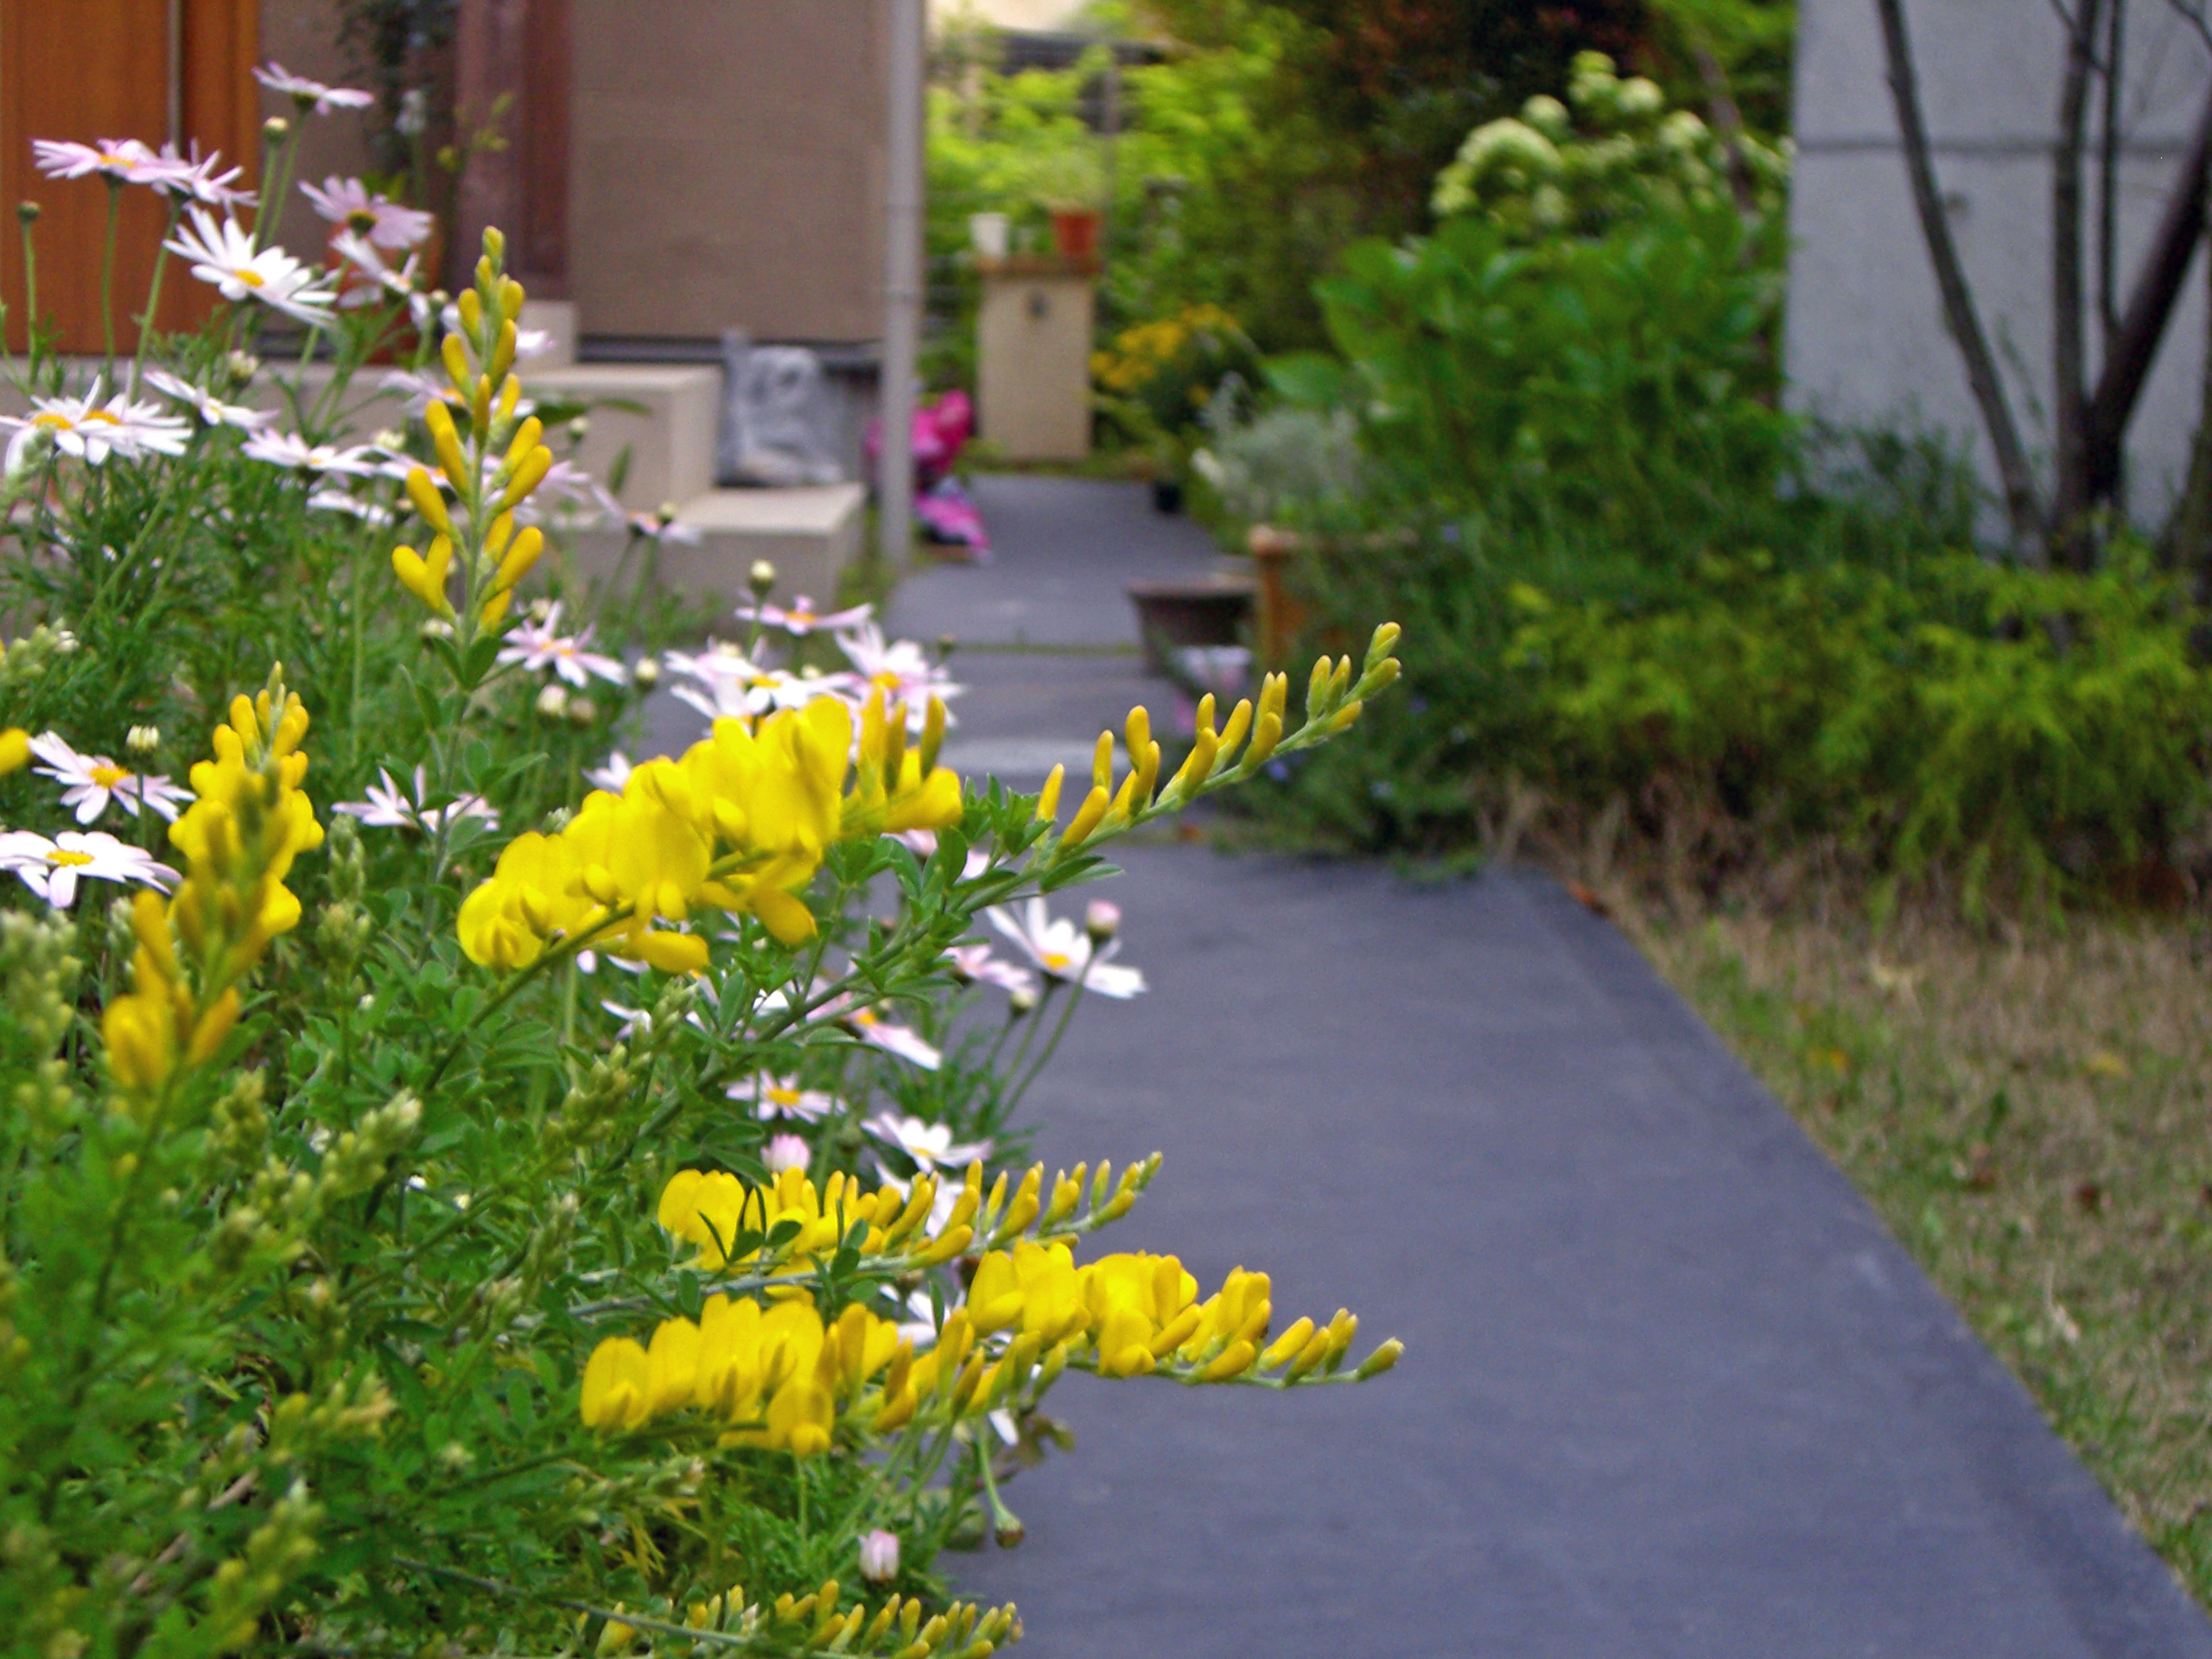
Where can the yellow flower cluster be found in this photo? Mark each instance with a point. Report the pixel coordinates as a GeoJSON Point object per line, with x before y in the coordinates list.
{"type": "Point", "coordinates": [1335, 698]}
{"type": "Point", "coordinates": [738, 824]}
{"type": "Point", "coordinates": [238, 839]}
{"type": "Point", "coordinates": [1141, 353]}
{"type": "Point", "coordinates": [710, 1208]}
{"type": "Point", "coordinates": [780, 1377]}
{"type": "Point", "coordinates": [776, 1376]}
{"type": "Point", "coordinates": [492, 472]}
{"type": "Point", "coordinates": [813, 1624]}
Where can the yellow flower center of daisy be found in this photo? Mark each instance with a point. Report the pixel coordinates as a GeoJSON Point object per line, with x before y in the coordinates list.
{"type": "Point", "coordinates": [52, 421]}
{"type": "Point", "coordinates": [251, 278]}
{"type": "Point", "coordinates": [102, 415]}
{"type": "Point", "coordinates": [1056, 962]}
{"type": "Point", "coordinates": [783, 1097]}
{"type": "Point", "coordinates": [66, 858]}
{"type": "Point", "coordinates": [108, 777]}
{"type": "Point", "coordinates": [361, 219]}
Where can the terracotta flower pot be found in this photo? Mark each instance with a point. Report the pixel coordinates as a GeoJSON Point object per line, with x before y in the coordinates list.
{"type": "Point", "coordinates": [1075, 232]}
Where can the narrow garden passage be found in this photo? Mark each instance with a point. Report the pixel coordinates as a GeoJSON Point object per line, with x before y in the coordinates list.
{"type": "Point", "coordinates": [1669, 1389]}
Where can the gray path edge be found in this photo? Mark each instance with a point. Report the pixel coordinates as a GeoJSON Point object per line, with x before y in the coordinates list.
{"type": "Point", "coordinates": [2123, 1598]}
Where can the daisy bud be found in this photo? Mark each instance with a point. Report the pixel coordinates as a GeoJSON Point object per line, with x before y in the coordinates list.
{"type": "Point", "coordinates": [785, 1152]}
{"type": "Point", "coordinates": [243, 367]}
{"type": "Point", "coordinates": [762, 579]}
{"type": "Point", "coordinates": [582, 711]}
{"type": "Point", "coordinates": [579, 430]}
{"type": "Point", "coordinates": [65, 643]}
{"type": "Point", "coordinates": [26, 213]}
{"type": "Point", "coordinates": [645, 674]}
{"type": "Point", "coordinates": [552, 702]}
{"type": "Point", "coordinates": [879, 1556]}
{"type": "Point", "coordinates": [1103, 920]}
{"type": "Point", "coordinates": [275, 127]}
{"type": "Point", "coordinates": [142, 739]}
{"type": "Point", "coordinates": [437, 628]}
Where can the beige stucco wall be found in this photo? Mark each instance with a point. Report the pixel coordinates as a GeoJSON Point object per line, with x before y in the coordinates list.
{"type": "Point", "coordinates": [302, 35]}
{"type": "Point", "coordinates": [727, 168]}
{"type": "Point", "coordinates": [726, 161]}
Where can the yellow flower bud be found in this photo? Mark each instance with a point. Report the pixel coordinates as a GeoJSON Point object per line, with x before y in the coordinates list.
{"type": "Point", "coordinates": [472, 319]}
{"type": "Point", "coordinates": [1232, 1361]}
{"type": "Point", "coordinates": [503, 353]}
{"type": "Point", "coordinates": [425, 494]}
{"type": "Point", "coordinates": [528, 476]}
{"type": "Point", "coordinates": [1380, 1361]}
{"type": "Point", "coordinates": [1088, 818]}
{"type": "Point", "coordinates": [14, 750]}
{"type": "Point", "coordinates": [456, 359]}
{"type": "Point", "coordinates": [1048, 802]}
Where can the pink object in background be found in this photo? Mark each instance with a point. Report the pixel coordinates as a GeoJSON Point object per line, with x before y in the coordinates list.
{"type": "Point", "coordinates": [941, 431]}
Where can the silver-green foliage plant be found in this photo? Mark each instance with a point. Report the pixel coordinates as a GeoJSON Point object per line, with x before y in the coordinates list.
{"type": "Point", "coordinates": [447, 1207]}
{"type": "Point", "coordinates": [1613, 150]}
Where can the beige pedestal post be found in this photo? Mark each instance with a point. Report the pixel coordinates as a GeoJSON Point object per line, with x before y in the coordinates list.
{"type": "Point", "coordinates": [1033, 358]}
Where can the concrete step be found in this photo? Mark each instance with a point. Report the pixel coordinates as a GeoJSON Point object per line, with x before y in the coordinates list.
{"type": "Point", "coordinates": [810, 535]}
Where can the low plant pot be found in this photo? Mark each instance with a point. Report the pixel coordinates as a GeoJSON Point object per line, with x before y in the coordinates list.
{"type": "Point", "coordinates": [1075, 233]}
{"type": "Point", "coordinates": [1213, 611]}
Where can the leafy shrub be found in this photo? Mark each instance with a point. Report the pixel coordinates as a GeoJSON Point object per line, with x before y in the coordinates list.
{"type": "Point", "coordinates": [2031, 724]}
{"type": "Point", "coordinates": [439, 1221]}
{"type": "Point", "coordinates": [1584, 387]}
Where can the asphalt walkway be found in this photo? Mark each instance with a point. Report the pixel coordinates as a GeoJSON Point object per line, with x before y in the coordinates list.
{"type": "Point", "coordinates": [1669, 1388]}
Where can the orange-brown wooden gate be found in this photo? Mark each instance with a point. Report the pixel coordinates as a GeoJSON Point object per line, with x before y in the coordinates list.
{"type": "Point", "coordinates": [154, 70]}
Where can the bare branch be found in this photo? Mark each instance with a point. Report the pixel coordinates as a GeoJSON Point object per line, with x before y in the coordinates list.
{"type": "Point", "coordinates": [2022, 506]}
{"type": "Point", "coordinates": [2069, 396]}
{"type": "Point", "coordinates": [2150, 308]}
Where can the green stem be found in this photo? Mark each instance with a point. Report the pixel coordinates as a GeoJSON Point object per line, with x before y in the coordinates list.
{"type": "Point", "coordinates": [107, 275]}
{"type": "Point", "coordinates": [30, 290]}
{"type": "Point", "coordinates": [153, 295]}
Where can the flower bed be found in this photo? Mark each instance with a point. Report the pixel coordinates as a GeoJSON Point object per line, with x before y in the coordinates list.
{"type": "Point", "coordinates": [449, 1206]}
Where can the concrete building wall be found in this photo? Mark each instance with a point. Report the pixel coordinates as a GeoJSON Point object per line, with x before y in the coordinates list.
{"type": "Point", "coordinates": [1865, 336]}
{"type": "Point", "coordinates": [728, 168]}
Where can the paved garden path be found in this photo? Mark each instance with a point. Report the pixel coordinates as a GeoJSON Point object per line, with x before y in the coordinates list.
{"type": "Point", "coordinates": [1669, 1389]}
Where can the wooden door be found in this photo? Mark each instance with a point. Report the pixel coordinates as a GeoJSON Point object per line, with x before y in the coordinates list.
{"type": "Point", "coordinates": [154, 70]}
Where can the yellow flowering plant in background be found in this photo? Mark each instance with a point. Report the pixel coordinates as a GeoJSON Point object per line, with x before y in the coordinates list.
{"type": "Point", "coordinates": [452, 1204]}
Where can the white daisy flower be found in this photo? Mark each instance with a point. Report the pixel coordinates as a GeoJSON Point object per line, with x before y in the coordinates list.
{"type": "Point", "coordinates": [904, 1041]}
{"type": "Point", "coordinates": [930, 1145]}
{"type": "Point", "coordinates": [223, 254]}
{"type": "Point", "coordinates": [195, 178]}
{"type": "Point", "coordinates": [335, 501]}
{"type": "Point", "coordinates": [124, 159]}
{"type": "Point", "coordinates": [206, 404]}
{"type": "Point", "coordinates": [91, 430]}
{"type": "Point", "coordinates": [613, 776]}
{"type": "Point", "coordinates": [91, 781]}
{"type": "Point", "coordinates": [728, 683]}
{"type": "Point", "coordinates": [383, 222]}
{"type": "Point", "coordinates": [772, 1096]}
{"type": "Point", "coordinates": [289, 449]}
{"type": "Point", "coordinates": [382, 282]}
{"type": "Point", "coordinates": [976, 965]}
{"type": "Point", "coordinates": [52, 868]}
{"type": "Point", "coordinates": [388, 808]}
{"type": "Point", "coordinates": [785, 1152]}
{"type": "Point", "coordinates": [310, 94]}
{"type": "Point", "coordinates": [540, 644]}
{"type": "Point", "coordinates": [923, 844]}
{"type": "Point", "coordinates": [1064, 951]}
{"type": "Point", "coordinates": [802, 619]}
{"type": "Point", "coordinates": [902, 671]}
{"type": "Point", "coordinates": [419, 390]}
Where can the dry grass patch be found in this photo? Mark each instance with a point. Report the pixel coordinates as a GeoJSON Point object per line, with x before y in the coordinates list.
{"type": "Point", "coordinates": [2030, 1115]}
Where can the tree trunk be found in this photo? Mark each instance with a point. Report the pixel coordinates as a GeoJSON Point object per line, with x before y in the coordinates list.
{"type": "Point", "coordinates": [2185, 544]}
{"type": "Point", "coordinates": [2022, 506]}
{"type": "Point", "coordinates": [2072, 495]}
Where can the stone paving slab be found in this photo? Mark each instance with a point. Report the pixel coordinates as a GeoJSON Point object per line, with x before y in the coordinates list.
{"type": "Point", "coordinates": [1671, 1387]}
{"type": "Point", "coordinates": [1064, 550]}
